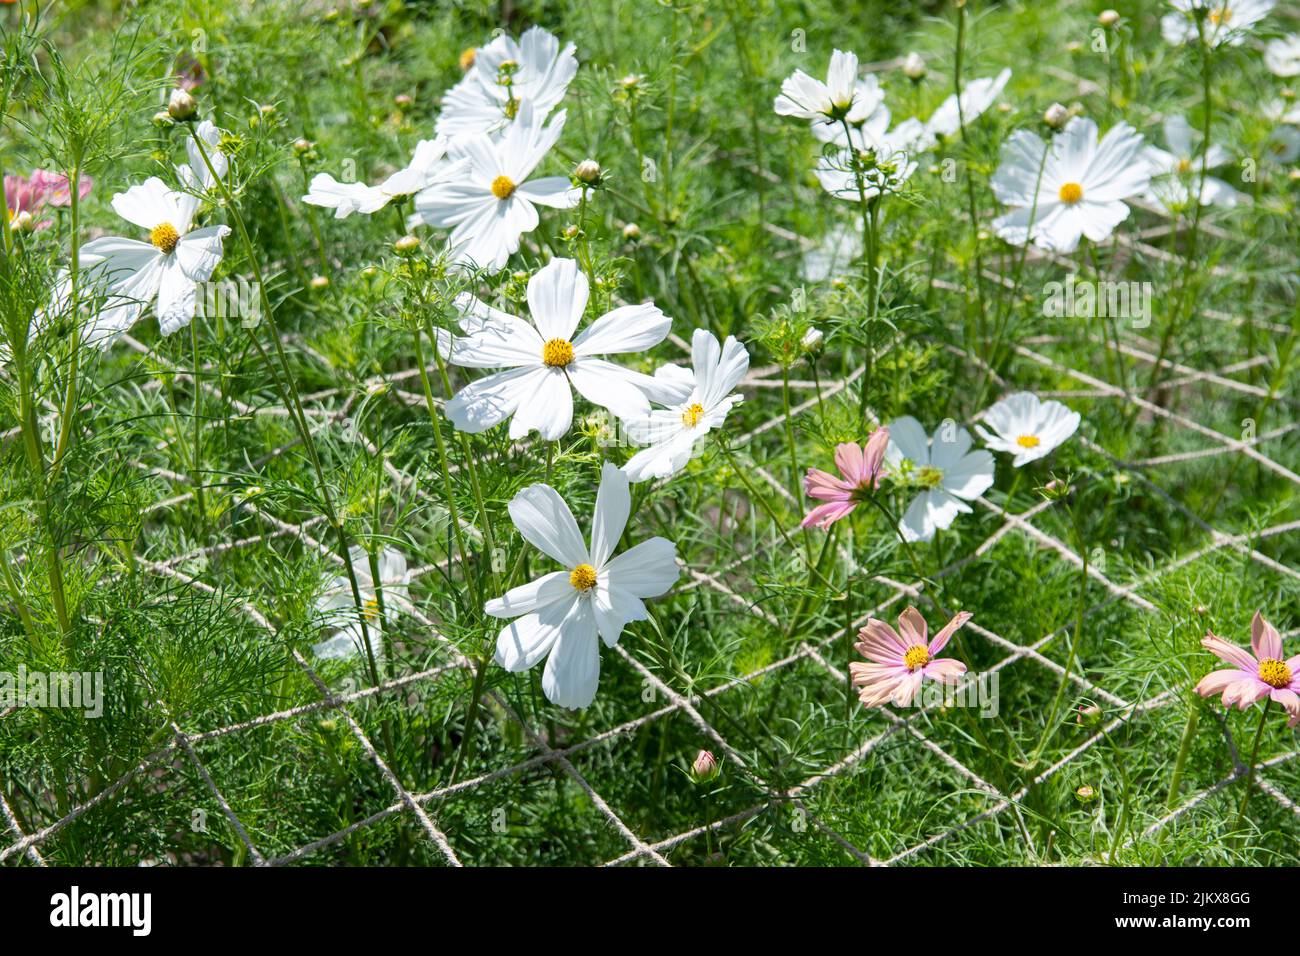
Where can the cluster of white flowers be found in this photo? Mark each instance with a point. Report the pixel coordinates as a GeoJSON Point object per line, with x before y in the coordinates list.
{"type": "Point", "coordinates": [947, 473]}
{"type": "Point", "coordinates": [473, 178]}
{"type": "Point", "coordinates": [866, 156]}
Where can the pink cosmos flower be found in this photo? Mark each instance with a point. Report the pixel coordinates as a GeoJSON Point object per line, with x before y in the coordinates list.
{"type": "Point", "coordinates": [860, 468]}
{"type": "Point", "coordinates": [25, 195]}
{"type": "Point", "coordinates": [1254, 677]}
{"type": "Point", "coordinates": [899, 664]}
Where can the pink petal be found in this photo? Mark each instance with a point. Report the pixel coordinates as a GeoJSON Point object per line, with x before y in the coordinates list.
{"type": "Point", "coordinates": [1216, 682]}
{"type": "Point", "coordinates": [1264, 639]}
{"type": "Point", "coordinates": [913, 627]}
{"type": "Point", "coordinates": [823, 516]}
{"type": "Point", "coordinates": [948, 630]}
{"type": "Point", "coordinates": [874, 454]}
{"type": "Point", "coordinates": [879, 636]}
{"type": "Point", "coordinates": [1229, 652]}
{"type": "Point", "coordinates": [818, 484]}
{"type": "Point", "coordinates": [905, 693]}
{"type": "Point", "coordinates": [945, 670]}
{"type": "Point", "coordinates": [848, 459]}
{"type": "Point", "coordinates": [1288, 699]}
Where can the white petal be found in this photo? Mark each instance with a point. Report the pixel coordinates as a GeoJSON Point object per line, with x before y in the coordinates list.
{"type": "Point", "coordinates": [546, 523]}
{"type": "Point", "coordinates": [646, 570]}
{"type": "Point", "coordinates": [524, 642]}
{"type": "Point", "coordinates": [613, 505]}
{"type": "Point", "coordinates": [630, 328]}
{"type": "Point", "coordinates": [557, 296]}
{"type": "Point", "coordinates": [546, 408]}
{"type": "Point", "coordinates": [491, 400]}
{"type": "Point", "coordinates": [572, 671]}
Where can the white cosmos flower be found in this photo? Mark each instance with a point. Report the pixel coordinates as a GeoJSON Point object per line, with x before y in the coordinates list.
{"type": "Point", "coordinates": [506, 75]}
{"type": "Point", "coordinates": [428, 166]}
{"type": "Point", "coordinates": [1226, 21]}
{"type": "Point", "coordinates": [1026, 427]}
{"type": "Point", "coordinates": [337, 603]}
{"type": "Point", "coordinates": [560, 615]}
{"type": "Point", "coordinates": [1176, 172]}
{"type": "Point", "coordinates": [1284, 144]}
{"type": "Point", "coordinates": [842, 96]}
{"type": "Point", "coordinates": [671, 433]}
{"type": "Point", "coordinates": [835, 255]}
{"type": "Point", "coordinates": [1083, 186]}
{"type": "Point", "coordinates": [489, 204]}
{"type": "Point", "coordinates": [1282, 56]}
{"type": "Point", "coordinates": [164, 271]}
{"type": "Point", "coordinates": [544, 361]}
{"type": "Point", "coordinates": [976, 97]}
{"type": "Point", "coordinates": [948, 473]}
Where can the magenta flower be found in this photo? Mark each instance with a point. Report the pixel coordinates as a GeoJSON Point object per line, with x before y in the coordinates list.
{"type": "Point", "coordinates": [898, 665]}
{"type": "Point", "coordinates": [860, 468]}
{"type": "Point", "coordinates": [1254, 677]}
{"type": "Point", "coordinates": [26, 195]}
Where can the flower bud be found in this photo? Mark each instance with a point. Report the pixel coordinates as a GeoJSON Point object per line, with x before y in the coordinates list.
{"type": "Point", "coordinates": [403, 102]}
{"type": "Point", "coordinates": [571, 232]}
{"type": "Point", "coordinates": [1085, 794]}
{"type": "Point", "coordinates": [588, 171]}
{"type": "Point", "coordinates": [181, 106]}
{"type": "Point", "coordinates": [23, 221]}
{"type": "Point", "coordinates": [812, 339]}
{"type": "Point", "coordinates": [631, 81]}
{"type": "Point", "coordinates": [1056, 116]}
{"type": "Point", "coordinates": [320, 282]}
{"type": "Point", "coordinates": [1108, 18]}
{"type": "Point", "coordinates": [705, 767]}
{"type": "Point", "coordinates": [406, 245]}
{"type": "Point", "coordinates": [163, 119]}
{"type": "Point", "coordinates": [631, 232]}
{"type": "Point", "coordinates": [914, 67]}
{"type": "Point", "coordinates": [303, 146]}
{"type": "Point", "coordinates": [1089, 716]}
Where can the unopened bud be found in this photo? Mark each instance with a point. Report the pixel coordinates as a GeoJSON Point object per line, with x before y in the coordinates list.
{"type": "Point", "coordinates": [1089, 716]}
{"type": "Point", "coordinates": [406, 245]}
{"type": "Point", "coordinates": [705, 767]}
{"type": "Point", "coordinates": [812, 339]}
{"type": "Point", "coordinates": [23, 222]}
{"type": "Point", "coordinates": [631, 232]}
{"type": "Point", "coordinates": [320, 282]}
{"type": "Point", "coordinates": [1085, 794]}
{"type": "Point", "coordinates": [162, 118]}
{"type": "Point", "coordinates": [588, 171]}
{"type": "Point", "coordinates": [181, 106]}
{"type": "Point", "coordinates": [1108, 18]}
{"type": "Point", "coordinates": [914, 67]}
{"type": "Point", "coordinates": [1056, 115]}
{"type": "Point", "coordinates": [403, 102]}
{"type": "Point", "coordinates": [631, 81]}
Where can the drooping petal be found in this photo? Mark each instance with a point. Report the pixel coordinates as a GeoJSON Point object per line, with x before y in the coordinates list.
{"type": "Point", "coordinates": [572, 671]}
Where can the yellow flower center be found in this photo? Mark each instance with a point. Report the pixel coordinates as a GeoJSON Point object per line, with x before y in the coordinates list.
{"type": "Point", "coordinates": [929, 476]}
{"type": "Point", "coordinates": [1071, 193]}
{"type": "Point", "coordinates": [164, 236]}
{"type": "Point", "coordinates": [370, 607]}
{"type": "Point", "coordinates": [1218, 17]}
{"type": "Point", "coordinates": [467, 57]}
{"type": "Point", "coordinates": [1274, 673]}
{"type": "Point", "coordinates": [691, 417]}
{"type": "Point", "coordinates": [1027, 441]}
{"type": "Point", "coordinates": [557, 353]}
{"type": "Point", "coordinates": [583, 577]}
{"type": "Point", "coordinates": [917, 656]}
{"type": "Point", "coordinates": [1184, 166]}
{"type": "Point", "coordinates": [503, 187]}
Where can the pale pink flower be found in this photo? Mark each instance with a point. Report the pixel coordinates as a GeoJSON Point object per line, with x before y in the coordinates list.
{"type": "Point", "coordinates": [860, 468]}
{"type": "Point", "coordinates": [1253, 677]}
{"type": "Point", "coordinates": [26, 195]}
{"type": "Point", "coordinates": [898, 664]}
